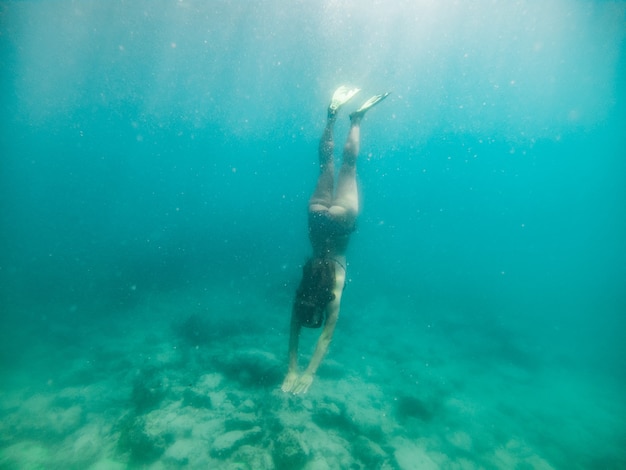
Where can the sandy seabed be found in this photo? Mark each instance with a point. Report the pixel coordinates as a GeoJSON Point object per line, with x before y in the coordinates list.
{"type": "Point", "coordinates": [192, 379]}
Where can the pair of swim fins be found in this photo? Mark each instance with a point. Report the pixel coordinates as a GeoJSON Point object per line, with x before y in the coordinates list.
{"type": "Point", "coordinates": [343, 94]}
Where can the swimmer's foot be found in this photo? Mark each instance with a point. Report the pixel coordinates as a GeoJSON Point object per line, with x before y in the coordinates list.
{"type": "Point", "coordinates": [373, 101]}
{"type": "Point", "coordinates": [342, 95]}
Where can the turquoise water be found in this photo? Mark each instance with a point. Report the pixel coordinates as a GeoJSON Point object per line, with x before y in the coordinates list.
{"type": "Point", "coordinates": [156, 161]}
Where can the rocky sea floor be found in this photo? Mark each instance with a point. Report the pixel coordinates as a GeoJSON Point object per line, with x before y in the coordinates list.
{"type": "Point", "coordinates": [192, 380]}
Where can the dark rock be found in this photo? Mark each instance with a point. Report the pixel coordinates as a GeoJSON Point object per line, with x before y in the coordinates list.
{"type": "Point", "coordinates": [196, 400]}
{"type": "Point", "coordinates": [195, 330]}
{"type": "Point", "coordinates": [225, 444]}
{"type": "Point", "coordinates": [288, 452]}
{"type": "Point", "coordinates": [149, 389]}
{"type": "Point", "coordinates": [143, 447]}
{"type": "Point", "coordinates": [330, 415]}
{"type": "Point", "coordinates": [368, 452]}
{"type": "Point", "coordinates": [240, 421]}
{"type": "Point", "coordinates": [412, 407]}
{"type": "Point", "coordinates": [252, 368]}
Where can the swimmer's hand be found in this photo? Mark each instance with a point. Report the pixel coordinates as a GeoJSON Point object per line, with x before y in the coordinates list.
{"type": "Point", "coordinates": [302, 385]}
{"type": "Point", "coordinates": [289, 382]}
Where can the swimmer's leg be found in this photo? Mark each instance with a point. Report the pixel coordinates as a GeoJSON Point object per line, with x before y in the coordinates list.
{"type": "Point", "coordinates": [342, 95]}
{"type": "Point", "coordinates": [346, 202]}
{"type": "Point", "coordinates": [323, 195]}
{"type": "Point", "coordinates": [373, 101]}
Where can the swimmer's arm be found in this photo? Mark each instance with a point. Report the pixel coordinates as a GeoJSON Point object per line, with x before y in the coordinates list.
{"type": "Point", "coordinates": [306, 379]}
{"type": "Point", "coordinates": [292, 374]}
{"type": "Point", "coordinates": [294, 337]}
{"type": "Point", "coordinates": [325, 338]}
{"type": "Point", "coordinates": [332, 314]}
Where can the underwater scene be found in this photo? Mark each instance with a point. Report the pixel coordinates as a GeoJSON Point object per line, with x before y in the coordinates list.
{"type": "Point", "coordinates": [157, 166]}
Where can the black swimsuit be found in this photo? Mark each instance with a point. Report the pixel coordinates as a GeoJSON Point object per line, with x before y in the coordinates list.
{"type": "Point", "coordinates": [329, 238]}
{"type": "Point", "coordinates": [327, 234]}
